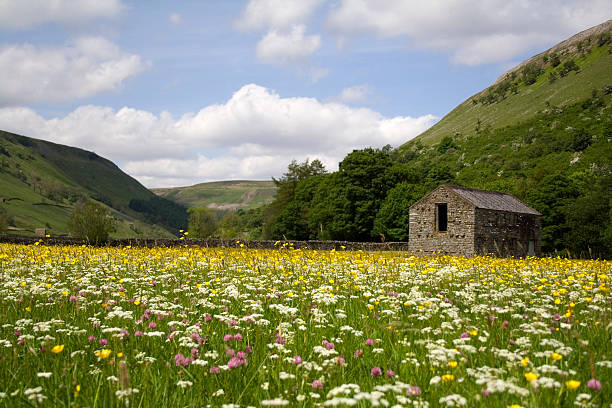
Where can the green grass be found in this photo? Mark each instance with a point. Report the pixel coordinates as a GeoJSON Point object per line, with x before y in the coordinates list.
{"type": "Point", "coordinates": [222, 194]}
{"type": "Point", "coordinates": [594, 73]}
{"type": "Point", "coordinates": [31, 170]}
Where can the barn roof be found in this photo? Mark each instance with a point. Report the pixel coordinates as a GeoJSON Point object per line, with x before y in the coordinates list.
{"type": "Point", "coordinates": [492, 200]}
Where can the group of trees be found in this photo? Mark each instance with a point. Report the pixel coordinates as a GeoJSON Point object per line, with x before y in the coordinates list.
{"type": "Point", "coordinates": [367, 199]}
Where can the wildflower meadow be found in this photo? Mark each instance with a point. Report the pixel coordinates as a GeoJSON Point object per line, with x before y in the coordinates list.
{"type": "Point", "coordinates": [113, 327]}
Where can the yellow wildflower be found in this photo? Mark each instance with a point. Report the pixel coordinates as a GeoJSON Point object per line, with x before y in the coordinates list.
{"type": "Point", "coordinates": [572, 384]}
{"type": "Point", "coordinates": [57, 349]}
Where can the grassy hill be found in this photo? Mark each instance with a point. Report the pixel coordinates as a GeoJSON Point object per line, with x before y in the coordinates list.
{"type": "Point", "coordinates": [543, 132]}
{"type": "Point", "coordinates": [546, 80]}
{"type": "Point", "coordinates": [222, 195]}
{"type": "Point", "coordinates": [40, 183]}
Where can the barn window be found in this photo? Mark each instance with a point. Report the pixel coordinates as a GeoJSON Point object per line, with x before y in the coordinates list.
{"type": "Point", "coordinates": [442, 217]}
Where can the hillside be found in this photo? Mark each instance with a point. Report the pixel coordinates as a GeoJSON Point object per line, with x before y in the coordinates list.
{"type": "Point", "coordinates": [41, 182]}
{"type": "Point", "coordinates": [559, 77]}
{"type": "Point", "coordinates": [542, 132]}
{"type": "Point", "coordinates": [221, 195]}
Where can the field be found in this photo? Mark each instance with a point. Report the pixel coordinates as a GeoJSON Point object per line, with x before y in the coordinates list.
{"type": "Point", "coordinates": [104, 327]}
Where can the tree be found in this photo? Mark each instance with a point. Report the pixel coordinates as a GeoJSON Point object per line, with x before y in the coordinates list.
{"type": "Point", "coordinates": [392, 220]}
{"type": "Point", "coordinates": [92, 222]}
{"type": "Point", "coordinates": [588, 220]}
{"type": "Point", "coordinates": [285, 194]}
{"type": "Point", "coordinates": [202, 222]}
{"type": "Point", "coordinates": [552, 198]}
{"type": "Point", "coordinates": [230, 226]}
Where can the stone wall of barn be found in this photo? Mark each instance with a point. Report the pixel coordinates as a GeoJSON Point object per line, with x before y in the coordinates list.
{"type": "Point", "coordinates": [423, 235]}
{"type": "Point", "coordinates": [507, 234]}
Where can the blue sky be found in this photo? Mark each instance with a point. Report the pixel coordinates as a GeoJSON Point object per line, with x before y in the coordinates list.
{"type": "Point", "coordinates": [183, 92]}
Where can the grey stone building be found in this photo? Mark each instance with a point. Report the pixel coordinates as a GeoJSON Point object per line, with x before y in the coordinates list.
{"type": "Point", "coordinates": [463, 221]}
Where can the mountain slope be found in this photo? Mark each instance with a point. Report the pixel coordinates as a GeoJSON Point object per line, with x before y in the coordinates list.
{"type": "Point", "coordinates": [42, 181]}
{"type": "Point", "coordinates": [542, 132]}
{"type": "Point", "coordinates": [532, 86]}
{"type": "Point", "coordinates": [221, 195]}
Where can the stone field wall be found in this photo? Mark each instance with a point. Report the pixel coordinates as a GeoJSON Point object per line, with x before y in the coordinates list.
{"type": "Point", "coordinates": [216, 243]}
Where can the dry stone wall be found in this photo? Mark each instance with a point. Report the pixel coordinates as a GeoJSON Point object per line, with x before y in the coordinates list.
{"type": "Point", "coordinates": [216, 243]}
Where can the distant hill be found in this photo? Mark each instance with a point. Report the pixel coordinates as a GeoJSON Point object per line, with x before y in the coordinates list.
{"type": "Point", "coordinates": [40, 183]}
{"type": "Point", "coordinates": [221, 195]}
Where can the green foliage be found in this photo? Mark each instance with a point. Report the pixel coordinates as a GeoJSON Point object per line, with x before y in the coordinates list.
{"type": "Point", "coordinates": [530, 73]}
{"type": "Point", "coordinates": [202, 223]}
{"type": "Point", "coordinates": [552, 198]}
{"type": "Point", "coordinates": [92, 222]}
{"type": "Point", "coordinates": [439, 174]}
{"type": "Point", "coordinates": [580, 140]}
{"type": "Point", "coordinates": [447, 143]}
{"type": "Point", "coordinates": [588, 220]}
{"type": "Point", "coordinates": [568, 67]}
{"type": "Point", "coordinates": [158, 210]}
{"type": "Point", "coordinates": [285, 194]}
{"type": "Point", "coordinates": [392, 220]}
{"type": "Point", "coordinates": [554, 59]}
{"type": "Point", "coordinates": [344, 205]}
{"type": "Point", "coordinates": [230, 226]}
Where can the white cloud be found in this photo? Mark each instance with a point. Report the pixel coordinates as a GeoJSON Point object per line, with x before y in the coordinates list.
{"type": "Point", "coordinates": [254, 135]}
{"type": "Point", "coordinates": [83, 68]}
{"type": "Point", "coordinates": [277, 14]}
{"type": "Point", "coordinates": [285, 40]}
{"type": "Point", "coordinates": [26, 14]}
{"type": "Point", "coordinates": [277, 47]}
{"type": "Point", "coordinates": [354, 94]}
{"type": "Point", "coordinates": [176, 18]}
{"type": "Point", "coordinates": [470, 32]}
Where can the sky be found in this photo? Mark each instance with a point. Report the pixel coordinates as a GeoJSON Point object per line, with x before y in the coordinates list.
{"type": "Point", "coordinates": [188, 91]}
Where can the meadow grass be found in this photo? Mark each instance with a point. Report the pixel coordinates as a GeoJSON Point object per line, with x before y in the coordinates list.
{"type": "Point", "coordinates": [111, 327]}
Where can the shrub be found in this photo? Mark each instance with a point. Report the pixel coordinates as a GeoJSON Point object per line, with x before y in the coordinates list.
{"type": "Point", "coordinates": [92, 222]}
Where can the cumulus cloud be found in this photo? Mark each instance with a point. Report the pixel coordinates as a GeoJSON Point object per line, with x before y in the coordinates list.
{"type": "Point", "coordinates": [284, 20]}
{"type": "Point", "coordinates": [86, 67]}
{"type": "Point", "coordinates": [277, 47]}
{"type": "Point", "coordinates": [354, 94]}
{"type": "Point", "coordinates": [470, 32]}
{"type": "Point", "coordinates": [276, 14]}
{"type": "Point", "coordinates": [253, 135]}
{"type": "Point", "coordinates": [26, 14]}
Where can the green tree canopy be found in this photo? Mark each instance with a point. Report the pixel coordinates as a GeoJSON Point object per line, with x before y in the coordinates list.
{"type": "Point", "coordinates": [392, 220]}
{"type": "Point", "coordinates": [202, 223]}
{"type": "Point", "coordinates": [92, 221]}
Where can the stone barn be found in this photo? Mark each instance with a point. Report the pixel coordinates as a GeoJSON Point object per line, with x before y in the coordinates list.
{"type": "Point", "coordinates": [455, 220]}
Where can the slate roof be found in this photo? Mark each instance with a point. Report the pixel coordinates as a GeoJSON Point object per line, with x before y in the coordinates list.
{"type": "Point", "coordinates": [492, 200]}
